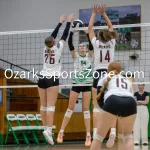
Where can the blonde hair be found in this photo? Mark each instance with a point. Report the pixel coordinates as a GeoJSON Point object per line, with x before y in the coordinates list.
{"type": "Point", "coordinates": [106, 35]}
{"type": "Point", "coordinates": [114, 67]}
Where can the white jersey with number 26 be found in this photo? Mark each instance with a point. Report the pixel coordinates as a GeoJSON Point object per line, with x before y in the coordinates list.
{"type": "Point", "coordinates": [51, 61]}
{"type": "Point", "coordinates": [118, 85]}
{"type": "Point", "coordinates": [103, 53]}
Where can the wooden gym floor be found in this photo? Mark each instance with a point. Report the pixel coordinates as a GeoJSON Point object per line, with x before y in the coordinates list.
{"type": "Point", "coordinates": [117, 146]}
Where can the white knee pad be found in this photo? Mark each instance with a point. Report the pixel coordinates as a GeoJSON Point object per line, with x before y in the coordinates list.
{"type": "Point", "coordinates": [42, 108]}
{"type": "Point", "coordinates": [68, 113]}
{"type": "Point", "coordinates": [127, 136]}
{"type": "Point", "coordinates": [86, 114]}
{"type": "Point", "coordinates": [96, 109]}
{"type": "Point", "coordinates": [51, 108]}
{"type": "Point", "coordinates": [98, 137]}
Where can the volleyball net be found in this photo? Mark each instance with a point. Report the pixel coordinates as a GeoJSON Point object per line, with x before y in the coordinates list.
{"type": "Point", "coordinates": [21, 54]}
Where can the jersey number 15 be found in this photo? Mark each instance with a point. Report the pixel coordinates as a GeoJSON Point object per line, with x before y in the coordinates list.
{"type": "Point", "coordinates": [121, 82]}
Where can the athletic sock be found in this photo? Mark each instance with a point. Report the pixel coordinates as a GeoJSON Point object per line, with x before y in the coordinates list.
{"type": "Point", "coordinates": [49, 129]}
{"type": "Point", "coordinates": [88, 134]}
{"type": "Point", "coordinates": [45, 128]}
{"type": "Point", "coordinates": [113, 131]}
{"type": "Point", "coordinates": [61, 131]}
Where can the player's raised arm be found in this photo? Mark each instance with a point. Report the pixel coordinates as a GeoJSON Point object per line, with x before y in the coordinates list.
{"type": "Point", "coordinates": [102, 9]}
{"type": "Point", "coordinates": [91, 49]}
{"type": "Point", "coordinates": [62, 20]}
{"type": "Point", "coordinates": [70, 44]}
{"type": "Point", "coordinates": [95, 11]}
{"type": "Point", "coordinates": [66, 31]}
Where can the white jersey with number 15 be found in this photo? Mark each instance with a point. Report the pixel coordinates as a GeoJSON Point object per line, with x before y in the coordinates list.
{"type": "Point", "coordinates": [118, 85]}
{"type": "Point", "coordinates": [103, 53]}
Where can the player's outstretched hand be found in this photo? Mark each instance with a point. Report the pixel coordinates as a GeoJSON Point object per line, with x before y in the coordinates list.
{"type": "Point", "coordinates": [71, 17]}
{"type": "Point", "coordinates": [63, 18]}
{"type": "Point", "coordinates": [95, 9]}
{"type": "Point", "coordinates": [102, 9]}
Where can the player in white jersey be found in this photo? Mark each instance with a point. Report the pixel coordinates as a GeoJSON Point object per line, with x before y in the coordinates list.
{"type": "Point", "coordinates": [104, 46]}
{"type": "Point", "coordinates": [82, 59]}
{"type": "Point", "coordinates": [118, 102]}
{"type": "Point", "coordinates": [48, 83]}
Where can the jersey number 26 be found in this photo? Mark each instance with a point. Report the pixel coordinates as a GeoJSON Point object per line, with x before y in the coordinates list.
{"type": "Point", "coordinates": [51, 59]}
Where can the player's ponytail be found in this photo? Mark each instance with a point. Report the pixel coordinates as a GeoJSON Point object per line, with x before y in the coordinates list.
{"type": "Point", "coordinates": [105, 35]}
{"type": "Point", "coordinates": [105, 85]}
{"type": "Point", "coordinates": [113, 67]}
{"type": "Point", "coordinates": [49, 41]}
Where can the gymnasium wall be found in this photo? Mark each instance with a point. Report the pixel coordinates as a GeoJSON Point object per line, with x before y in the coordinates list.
{"type": "Point", "coordinates": [44, 14]}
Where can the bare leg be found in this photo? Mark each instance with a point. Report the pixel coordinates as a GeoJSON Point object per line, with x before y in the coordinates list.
{"type": "Point", "coordinates": [127, 124]}
{"type": "Point", "coordinates": [52, 94]}
{"type": "Point", "coordinates": [104, 125]}
{"type": "Point", "coordinates": [86, 102]}
{"type": "Point", "coordinates": [72, 102]}
{"type": "Point", "coordinates": [43, 100]}
{"type": "Point", "coordinates": [96, 111]}
{"type": "Point", "coordinates": [112, 136]}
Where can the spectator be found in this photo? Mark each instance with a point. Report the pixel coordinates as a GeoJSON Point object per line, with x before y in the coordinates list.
{"type": "Point", "coordinates": [141, 122]}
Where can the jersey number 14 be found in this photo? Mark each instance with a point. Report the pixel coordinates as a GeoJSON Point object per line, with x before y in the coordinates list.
{"type": "Point", "coordinates": [107, 56]}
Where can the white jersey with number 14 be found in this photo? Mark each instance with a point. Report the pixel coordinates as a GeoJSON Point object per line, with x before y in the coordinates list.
{"type": "Point", "coordinates": [103, 53]}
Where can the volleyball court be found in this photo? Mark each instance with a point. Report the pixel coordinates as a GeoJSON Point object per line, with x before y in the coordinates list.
{"type": "Point", "coordinates": [21, 60]}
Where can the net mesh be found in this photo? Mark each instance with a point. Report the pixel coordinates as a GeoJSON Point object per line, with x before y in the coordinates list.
{"type": "Point", "coordinates": [23, 51]}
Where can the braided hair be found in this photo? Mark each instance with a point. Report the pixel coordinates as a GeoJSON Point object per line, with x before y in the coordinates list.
{"type": "Point", "coordinates": [114, 67]}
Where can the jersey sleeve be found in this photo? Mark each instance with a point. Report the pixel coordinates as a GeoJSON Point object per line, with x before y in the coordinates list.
{"type": "Point", "coordinates": [146, 94]}
{"type": "Point", "coordinates": [94, 42]}
{"type": "Point", "coordinates": [131, 90]}
{"type": "Point", "coordinates": [113, 42]}
{"type": "Point", "coordinates": [60, 45]}
{"type": "Point", "coordinates": [135, 94]}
